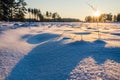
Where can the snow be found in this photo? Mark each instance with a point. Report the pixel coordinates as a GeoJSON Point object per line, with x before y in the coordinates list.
{"type": "Point", "coordinates": [59, 51]}
{"type": "Point", "coordinates": [88, 69]}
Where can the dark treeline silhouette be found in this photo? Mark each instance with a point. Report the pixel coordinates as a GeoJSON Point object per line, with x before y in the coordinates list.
{"type": "Point", "coordinates": [15, 10]}
{"type": "Point", "coordinates": [103, 18]}
{"type": "Point", "coordinates": [36, 15]}
{"type": "Point", "coordinates": [69, 20]}
{"type": "Point", "coordinates": [12, 10]}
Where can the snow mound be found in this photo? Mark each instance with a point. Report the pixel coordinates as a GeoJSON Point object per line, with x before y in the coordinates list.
{"type": "Point", "coordinates": [87, 69]}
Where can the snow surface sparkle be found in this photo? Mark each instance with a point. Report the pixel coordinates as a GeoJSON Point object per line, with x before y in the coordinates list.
{"type": "Point", "coordinates": [59, 51]}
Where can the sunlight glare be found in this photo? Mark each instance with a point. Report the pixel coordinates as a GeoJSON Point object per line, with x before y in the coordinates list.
{"type": "Point", "coordinates": [97, 13]}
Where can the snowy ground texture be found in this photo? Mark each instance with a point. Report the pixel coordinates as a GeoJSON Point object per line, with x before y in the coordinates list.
{"type": "Point", "coordinates": [59, 51]}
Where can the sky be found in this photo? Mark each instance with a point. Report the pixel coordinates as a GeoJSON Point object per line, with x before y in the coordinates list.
{"type": "Point", "coordinates": [75, 8]}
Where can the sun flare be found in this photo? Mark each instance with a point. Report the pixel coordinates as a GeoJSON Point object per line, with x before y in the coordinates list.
{"type": "Point", "coordinates": [97, 13]}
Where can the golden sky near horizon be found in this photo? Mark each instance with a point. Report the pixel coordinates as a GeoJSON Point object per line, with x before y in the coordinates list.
{"type": "Point", "coordinates": [75, 8]}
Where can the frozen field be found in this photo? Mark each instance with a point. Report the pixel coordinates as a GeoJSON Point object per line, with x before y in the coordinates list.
{"type": "Point", "coordinates": [60, 51]}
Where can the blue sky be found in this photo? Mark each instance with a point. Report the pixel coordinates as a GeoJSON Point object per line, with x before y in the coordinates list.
{"type": "Point", "coordinates": [75, 8]}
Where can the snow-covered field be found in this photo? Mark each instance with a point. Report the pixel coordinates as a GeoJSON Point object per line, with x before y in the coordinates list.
{"type": "Point", "coordinates": [59, 51]}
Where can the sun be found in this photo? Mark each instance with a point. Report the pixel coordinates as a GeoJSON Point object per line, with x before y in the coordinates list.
{"type": "Point", "coordinates": [97, 13]}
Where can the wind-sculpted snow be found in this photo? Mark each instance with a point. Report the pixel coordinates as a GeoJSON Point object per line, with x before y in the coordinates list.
{"type": "Point", "coordinates": [51, 51]}
{"type": "Point", "coordinates": [40, 38]}
{"type": "Point", "coordinates": [88, 69]}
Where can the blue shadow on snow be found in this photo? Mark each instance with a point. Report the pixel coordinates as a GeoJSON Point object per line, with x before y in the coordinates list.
{"type": "Point", "coordinates": [54, 60]}
{"type": "Point", "coordinates": [40, 38]}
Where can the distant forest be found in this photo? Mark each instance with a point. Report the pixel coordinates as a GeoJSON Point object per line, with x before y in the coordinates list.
{"type": "Point", "coordinates": [103, 18]}
{"type": "Point", "coordinates": [15, 10]}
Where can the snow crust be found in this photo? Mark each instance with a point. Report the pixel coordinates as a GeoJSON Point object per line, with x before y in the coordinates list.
{"type": "Point", "coordinates": [59, 51]}
{"type": "Point", "coordinates": [88, 69]}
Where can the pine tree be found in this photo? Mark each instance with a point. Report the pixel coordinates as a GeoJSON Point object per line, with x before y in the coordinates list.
{"type": "Point", "coordinates": [118, 17]}
{"type": "Point", "coordinates": [114, 18]}
{"type": "Point", "coordinates": [88, 19]}
{"type": "Point", "coordinates": [20, 10]}
{"type": "Point", "coordinates": [1, 10]}
{"type": "Point", "coordinates": [109, 17]}
{"type": "Point", "coordinates": [4, 9]}
{"type": "Point", "coordinates": [47, 13]}
{"type": "Point", "coordinates": [12, 9]}
{"type": "Point", "coordinates": [29, 12]}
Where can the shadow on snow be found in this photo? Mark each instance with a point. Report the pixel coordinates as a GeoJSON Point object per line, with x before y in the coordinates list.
{"type": "Point", "coordinates": [39, 38]}
{"type": "Point", "coordinates": [55, 60]}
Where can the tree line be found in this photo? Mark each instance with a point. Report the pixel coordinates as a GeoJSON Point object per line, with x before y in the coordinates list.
{"type": "Point", "coordinates": [15, 10]}
{"type": "Point", "coordinates": [37, 15]}
{"type": "Point", "coordinates": [103, 18]}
